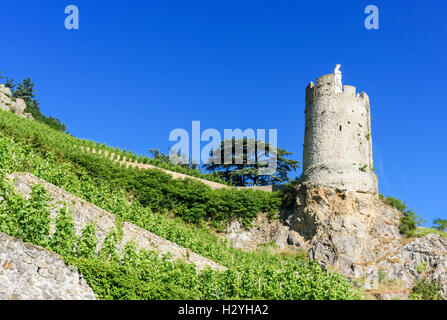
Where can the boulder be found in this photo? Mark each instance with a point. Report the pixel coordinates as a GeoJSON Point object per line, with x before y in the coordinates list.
{"type": "Point", "coordinates": [19, 106]}
{"type": "Point", "coordinates": [5, 90]}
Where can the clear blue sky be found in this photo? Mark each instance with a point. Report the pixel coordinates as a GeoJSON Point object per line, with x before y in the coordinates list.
{"type": "Point", "coordinates": [138, 69]}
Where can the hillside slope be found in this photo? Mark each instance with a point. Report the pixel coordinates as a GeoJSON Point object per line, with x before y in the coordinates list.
{"type": "Point", "coordinates": [29, 272]}
{"type": "Point", "coordinates": [172, 209]}
{"type": "Point", "coordinates": [134, 164]}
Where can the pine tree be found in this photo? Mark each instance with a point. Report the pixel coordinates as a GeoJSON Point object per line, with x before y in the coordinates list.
{"type": "Point", "coordinates": [10, 83]}
{"type": "Point", "coordinates": [245, 168]}
{"type": "Point", "coordinates": [25, 91]}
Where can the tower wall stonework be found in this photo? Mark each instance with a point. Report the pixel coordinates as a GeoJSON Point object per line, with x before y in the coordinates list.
{"type": "Point", "coordinates": [338, 142]}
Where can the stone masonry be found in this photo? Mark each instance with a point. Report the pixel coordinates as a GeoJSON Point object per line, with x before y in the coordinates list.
{"type": "Point", "coordinates": [338, 144]}
{"type": "Point", "coordinates": [29, 272]}
{"type": "Point", "coordinates": [85, 213]}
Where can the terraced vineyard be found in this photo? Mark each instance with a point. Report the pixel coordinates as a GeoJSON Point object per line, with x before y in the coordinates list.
{"type": "Point", "coordinates": [127, 158]}
{"type": "Point", "coordinates": [186, 212]}
{"type": "Point", "coordinates": [129, 162]}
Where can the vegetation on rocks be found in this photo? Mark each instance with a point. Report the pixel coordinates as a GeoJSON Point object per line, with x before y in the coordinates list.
{"type": "Point", "coordinates": [409, 221]}
{"type": "Point", "coordinates": [25, 90]}
{"type": "Point", "coordinates": [440, 224]}
{"type": "Point", "coordinates": [249, 165]}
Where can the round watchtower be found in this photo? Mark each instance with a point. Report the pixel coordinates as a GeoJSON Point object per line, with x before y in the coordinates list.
{"type": "Point", "coordinates": [338, 141]}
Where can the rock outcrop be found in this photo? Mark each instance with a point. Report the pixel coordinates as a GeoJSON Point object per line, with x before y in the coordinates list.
{"type": "Point", "coordinates": [29, 272]}
{"type": "Point", "coordinates": [8, 103]}
{"type": "Point", "coordinates": [356, 234]}
{"type": "Point", "coordinates": [263, 231]}
{"type": "Point", "coordinates": [346, 230]}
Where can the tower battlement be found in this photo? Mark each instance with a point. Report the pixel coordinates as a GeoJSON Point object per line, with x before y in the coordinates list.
{"type": "Point", "coordinates": [338, 144]}
{"type": "Point", "coordinates": [327, 84]}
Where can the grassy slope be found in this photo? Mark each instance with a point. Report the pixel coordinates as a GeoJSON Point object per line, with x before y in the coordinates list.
{"type": "Point", "coordinates": [53, 156]}
{"type": "Point", "coordinates": [421, 232]}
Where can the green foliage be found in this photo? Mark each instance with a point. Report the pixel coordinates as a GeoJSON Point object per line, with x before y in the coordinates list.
{"type": "Point", "coordinates": [87, 243]}
{"type": "Point", "coordinates": [111, 281]}
{"type": "Point", "coordinates": [28, 220]}
{"type": "Point", "coordinates": [440, 224]}
{"type": "Point", "coordinates": [408, 223]}
{"type": "Point", "coordinates": [250, 162]}
{"type": "Point", "coordinates": [422, 232]}
{"type": "Point", "coordinates": [396, 203]}
{"type": "Point", "coordinates": [63, 240]}
{"type": "Point", "coordinates": [422, 268]}
{"type": "Point", "coordinates": [426, 290]}
{"type": "Point", "coordinates": [25, 90]}
{"type": "Point", "coordinates": [132, 275]}
{"type": "Point", "coordinates": [109, 246]}
{"type": "Point", "coordinates": [194, 201]}
{"type": "Point", "coordinates": [9, 83]}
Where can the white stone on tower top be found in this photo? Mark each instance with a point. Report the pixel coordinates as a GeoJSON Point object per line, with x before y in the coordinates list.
{"type": "Point", "coordinates": [338, 82]}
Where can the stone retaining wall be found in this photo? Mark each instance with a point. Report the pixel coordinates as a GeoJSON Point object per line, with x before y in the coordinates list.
{"type": "Point", "coordinates": [8, 103]}
{"type": "Point", "coordinates": [85, 213]}
{"type": "Point", "coordinates": [29, 272]}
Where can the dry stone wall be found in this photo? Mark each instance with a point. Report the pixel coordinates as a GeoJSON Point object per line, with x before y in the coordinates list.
{"type": "Point", "coordinates": [29, 272]}
{"type": "Point", "coordinates": [85, 213]}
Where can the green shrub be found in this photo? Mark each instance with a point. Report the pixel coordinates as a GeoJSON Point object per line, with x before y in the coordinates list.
{"type": "Point", "coordinates": [422, 232]}
{"type": "Point", "coordinates": [63, 240]}
{"type": "Point", "coordinates": [426, 290]}
{"type": "Point", "coordinates": [111, 281]}
{"type": "Point", "coordinates": [29, 219]}
{"type": "Point", "coordinates": [422, 268]}
{"type": "Point", "coordinates": [440, 224]}
{"type": "Point", "coordinates": [409, 220]}
{"type": "Point", "coordinates": [87, 242]}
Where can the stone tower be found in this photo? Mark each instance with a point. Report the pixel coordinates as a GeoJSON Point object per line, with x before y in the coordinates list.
{"type": "Point", "coordinates": [338, 141]}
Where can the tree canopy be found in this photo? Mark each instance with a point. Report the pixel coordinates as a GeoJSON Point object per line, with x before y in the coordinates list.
{"type": "Point", "coordinates": [440, 224]}
{"type": "Point", "coordinates": [250, 162]}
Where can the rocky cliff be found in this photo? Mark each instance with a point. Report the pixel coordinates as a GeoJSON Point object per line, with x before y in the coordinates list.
{"type": "Point", "coordinates": [356, 234]}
